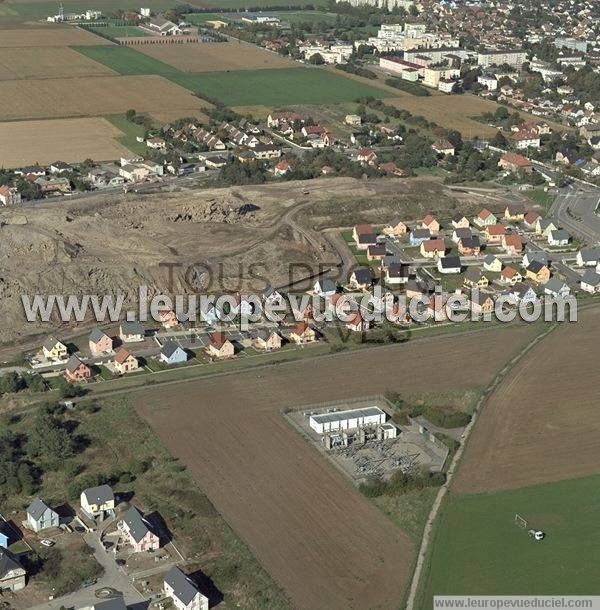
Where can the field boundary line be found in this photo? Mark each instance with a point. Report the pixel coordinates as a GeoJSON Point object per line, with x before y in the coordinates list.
{"type": "Point", "coordinates": [431, 519]}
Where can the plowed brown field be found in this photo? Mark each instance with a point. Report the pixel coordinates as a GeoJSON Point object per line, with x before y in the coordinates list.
{"type": "Point", "coordinates": [328, 546]}
{"type": "Point", "coordinates": [542, 423]}
{"type": "Point", "coordinates": [48, 36]}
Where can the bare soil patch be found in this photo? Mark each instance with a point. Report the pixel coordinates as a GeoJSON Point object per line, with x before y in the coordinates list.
{"type": "Point", "coordinates": [216, 56]}
{"type": "Point", "coordinates": [328, 546]}
{"type": "Point", "coordinates": [542, 423]}
{"type": "Point", "coordinates": [93, 96]}
{"type": "Point", "coordinates": [71, 140]}
{"type": "Point", "coordinates": [47, 62]}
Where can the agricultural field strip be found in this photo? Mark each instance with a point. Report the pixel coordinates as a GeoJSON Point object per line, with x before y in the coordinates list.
{"type": "Point", "coordinates": [241, 455]}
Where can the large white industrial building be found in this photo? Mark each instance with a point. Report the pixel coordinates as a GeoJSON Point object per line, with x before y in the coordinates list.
{"type": "Point", "coordinates": [347, 420]}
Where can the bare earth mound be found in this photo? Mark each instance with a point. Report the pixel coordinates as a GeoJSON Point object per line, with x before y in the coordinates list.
{"type": "Point", "coordinates": [542, 423]}
{"type": "Point", "coordinates": [313, 532]}
{"type": "Point", "coordinates": [216, 56]}
{"type": "Point", "coordinates": [71, 140]}
{"type": "Point", "coordinates": [93, 96]}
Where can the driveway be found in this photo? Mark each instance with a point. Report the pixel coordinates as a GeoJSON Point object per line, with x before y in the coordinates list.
{"type": "Point", "coordinates": [113, 577]}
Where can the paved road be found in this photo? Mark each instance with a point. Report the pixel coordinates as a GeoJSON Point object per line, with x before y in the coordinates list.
{"type": "Point", "coordinates": [582, 221]}
{"type": "Point", "coordinates": [113, 577]}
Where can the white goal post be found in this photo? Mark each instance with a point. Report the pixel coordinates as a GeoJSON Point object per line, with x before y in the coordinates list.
{"type": "Point", "coordinates": [521, 521]}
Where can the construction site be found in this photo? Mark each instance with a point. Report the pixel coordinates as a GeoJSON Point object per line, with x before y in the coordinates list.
{"type": "Point", "coordinates": [360, 438]}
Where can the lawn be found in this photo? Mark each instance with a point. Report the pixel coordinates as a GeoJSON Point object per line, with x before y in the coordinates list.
{"type": "Point", "coordinates": [540, 197]}
{"type": "Point", "coordinates": [131, 131]}
{"type": "Point", "coordinates": [202, 18]}
{"type": "Point", "coordinates": [245, 4]}
{"type": "Point", "coordinates": [280, 86]}
{"type": "Point", "coordinates": [477, 548]}
{"type": "Point", "coordinates": [120, 31]}
{"type": "Point", "coordinates": [41, 9]}
{"type": "Point", "coordinates": [306, 16]}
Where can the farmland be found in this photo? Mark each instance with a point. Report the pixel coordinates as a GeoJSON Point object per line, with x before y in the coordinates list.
{"type": "Point", "coordinates": [307, 525]}
{"type": "Point", "coordinates": [121, 31]}
{"type": "Point", "coordinates": [542, 423]}
{"type": "Point", "coordinates": [67, 139]}
{"type": "Point", "coordinates": [479, 550]}
{"type": "Point", "coordinates": [216, 57]}
{"type": "Point", "coordinates": [47, 62]}
{"type": "Point", "coordinates": [242, 4]}
{"type": "Point", "coordinates": [47, 36]}
{"type": "Point", "coordinates": [93, 96]}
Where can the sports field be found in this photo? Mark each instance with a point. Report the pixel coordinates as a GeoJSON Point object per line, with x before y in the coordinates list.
{"type": "Point", "coordinates": [93, 96]}
{"type": "Point", "coordinates": [477, 548]}
{"type": "Point", "coordinates": [216, 57]}
{"type": "Point", "coordinates": [47, 62]}
{"type": "Point", "coordinates": [71, 140]}
{"type": "Point", "coordinates": [328, 546]}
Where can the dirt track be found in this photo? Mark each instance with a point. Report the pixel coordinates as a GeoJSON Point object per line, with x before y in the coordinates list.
{"type": "Point", "coordinates": [543, 422]}
{"type": "Point", "coordinates": [322, 541]}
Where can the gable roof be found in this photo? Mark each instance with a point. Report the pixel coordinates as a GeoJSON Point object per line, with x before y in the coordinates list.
{"type": "Point", "coordinates": [8, 562]}
{"type": "Point", "coordinates": [37, 508]}
{"type": "Point", "coordinates": [50, 342]}
{"type": "Point", "coordinates": [98, 495]}
{"type": "Point", "coordinates": [122, 355]}
{"type": "Point", "coordinates": [97, 334]}
{"type": "Point", "coordinates": [183, 588]}
{"type": "Point", "coordinates": [591, 278]}
{"type": "Point", "coordinates": [169, 348]}
{"type": "Point", "coordinates": [74, 363]}
{"type": "Point", "coordinates": [138, 526]}
{"type": "Point", "coordinates": [132, 328]}
{"type": "Point", "coordinates": [363, 275]}
{"type": "Point", "coordinates": [450, 262]}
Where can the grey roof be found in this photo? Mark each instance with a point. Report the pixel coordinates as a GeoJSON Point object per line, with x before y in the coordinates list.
{"type": "Point", "coordinates": [398, 270]}
{"type": "Point", "coordinates": [138, 526]}
{"type": "Point", "coordinates": [450, 262]}
{"type": "Point", "coordinates": [589, 254]}
{"type": "Point", "coordinates": [473, 273]}
{"type": "Point", "coordinates": [367, 238]}
{"type": "Point", "coordinates": [37, 508]}
{"type": "Point", "coordinates": [99, 495]}
{"type": "Point", "coordinates": [183, 588]}
{"type": "Point", "coordinates": [73, 363]}
{"type": "Point", "coordinates": [490, 258]}
{"type": "Point", "coordinates": [535, 266]}
{"type": "Point", "coordinates": [521, 288]}
{"type": "Point", "coordinates": [50, 342]}
{"type": "Point", "coordinates": [169, 348]}
{"type": "Point", "coordinates": [463, 233]}
{"type": "Point", "coordinates": [96, 335]}
{"type": "Point", "coordinates": [349, 413]}
{"type": "Point", "coordinates": [554, 285]}
{"type": "Point", "coordinates": [363, 275]}
{"type": "Point", "coordinates": [591, 277]}
{"type": "Point", "coordinates": [421, 233]}
{"type": "Point", "coordinates": [559, 234]}
{"type": "Point", "coordinates": [326, 285]}
{"type": "Point", "coordinates": [471, 242]}
{"type": "Point", "coordinates": [115, 603]}
{"type": "Point", "coordinates": [8, 562]}
{"type": "Point", "coordinates": [132, 328]}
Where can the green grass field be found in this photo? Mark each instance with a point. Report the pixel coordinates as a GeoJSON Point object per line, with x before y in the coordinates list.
{"type": "Point", "coordinates": [131, 131]}
{"type": "Point", "coordinates": [120, 31]}
{"type": "Point", "coordinates": [478, 550]}
{"type": "Point", "coordinates": [272, 87]}
{"type": "Point", "coordinates": [244, 4]}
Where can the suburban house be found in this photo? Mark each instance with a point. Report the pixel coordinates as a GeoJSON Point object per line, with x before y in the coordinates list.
{"type": "Point", "coordinates": [272, 297]}
{"type": "Point", "coordinates": [588, 257]}
{"type": "Point", "coordinates": [361, 278]}
{"type": "Point", "coordinates": [530, 219]}
{"type": "Point", "coordinates": [367, 156]}
{"type": "Point", "coordinates": [397, 230]}
{"type": "Point", "coordinates": [98, 502]}
{"type": "Point", "coordinates": [172, 353]}
{"type": "Point", "coordinates": [461, 233]}
{"type": "Point", "coordinates": [6, 534]}
{"type": "Point", "coordinates": [301, 332]}
{"type": "Point", "coordinates": [163, 27]}
{"type": "Point", "coordinates": [397, 273]}
{"type": "Point", "coordinates": [13, 576]}
{"type": "Point", "coordinates": [474, 278]}
{"type": "Point", "coordinates": [431, 248]}
{"type": "Point", "coordinates": [125, 362]}
{"type": "Point", "coordinates": [40, 516]}
{"type": "Point", "coordinates": [469, 246]}
{"type": "Point", "coordinates": [113, 603]}
{"type": "Point", "coordinates": [364, 236]}
{"type": "Point", "coordinates": [495, 233]}
{"type": "Point", "coordinates": [356, 323]}
{"type": "Point", "coordinates": [590, 282]}
{"type": "Point", "coordinates": [266, 340]}
{"type": "Point", "coordinates": [54, 349]}
{"type": "Point", "coordinates": [443, 147]}
{"type": "Point", "coordinates": [538, 272]}
{"type": "Point", "coordinates": [9, 195]}
{"type": "Point", "coordinates": [492, 263]}
{"type": "Point", "coordinates": [183, 592]}
{"type": "Point", "coordinates": [417, 236]}
{"type": "Point", "coordinates": [138, 531]}
{"type": "Point", "coordinates": [449, 264]}
{"type": "Point", "coordinates": [376, 252]}
{"type": "Point", "coordinates": [485, 218]}
{"type": "Point", "coordinates": [99, 342]}
{"type": "Point", "coordinates": [522, 294]}
{"type": "Point", "coordinates": [558, 238]}
{"type": "Point", "coordinates": [460, 222]}
{"type": "Point", "coordinates": [480, 302]}
{"type": "Point", "coordinates": [220, 347]}
{"type": "Point", "coordinates": [512, 243]}
{"type": "Point", "coordinates": [76, 370]}
{"type": "Point", "coordinates": [510, 276]}
{"type": "Point", "coordinates": [168, 318]}
{"type": "Point", "coordinates": [557, 288]}
{"type": "Point", "coordinates": [544, 226]}
{"type": "Point", "coordinates": [429, 222]}
{"type": "Point", "coordinates": [514, 211]}
{"type": "Point", "coordinates": [131, 332]}
{"type": "Point", "coordinates": [324, 288]}
{"type": "Point", "coordinates": [514, 162]}
{"type": "Point", "coordinates": [534, 255]}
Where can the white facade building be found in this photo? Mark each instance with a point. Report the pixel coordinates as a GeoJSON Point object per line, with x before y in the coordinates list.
{"type": "Point", "coordinates": [346, 420]}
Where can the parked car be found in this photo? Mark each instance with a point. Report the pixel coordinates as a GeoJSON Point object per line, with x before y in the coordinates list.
{"type": "Point", "coordinates": [47, 542]}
